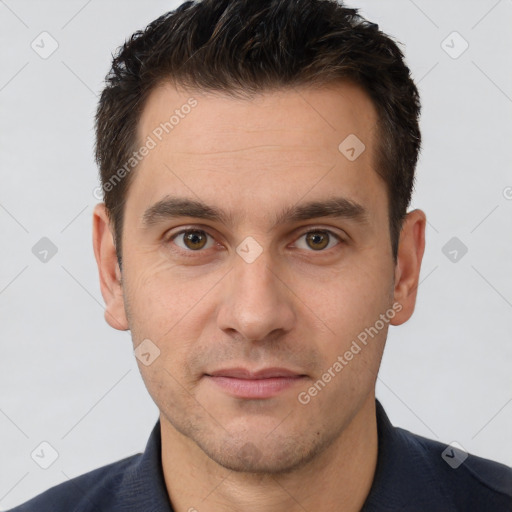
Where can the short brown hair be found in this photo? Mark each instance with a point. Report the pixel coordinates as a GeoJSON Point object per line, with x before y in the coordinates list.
{"type": "Point", "coordinates": [246, 47]}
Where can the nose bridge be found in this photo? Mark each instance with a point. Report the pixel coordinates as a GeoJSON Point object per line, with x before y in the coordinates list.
{"type": "Point", "coordinates": [256, 274]}
{"type": "Point", "coordinates": [256, 302]}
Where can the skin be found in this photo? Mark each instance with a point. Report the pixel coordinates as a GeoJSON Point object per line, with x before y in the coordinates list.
{"type": "Point", "coordinates": [295, 306]}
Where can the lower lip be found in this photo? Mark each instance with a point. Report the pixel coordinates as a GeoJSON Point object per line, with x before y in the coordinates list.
{"type": "Point", "coordinates": [255, 388]}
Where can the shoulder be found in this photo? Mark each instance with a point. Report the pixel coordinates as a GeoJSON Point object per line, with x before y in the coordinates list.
{"type": "Point", "coordinates": [421, 474]}
{"type": "Point", "coordinates": [94, 490]}
{"type": "Point", "coordinates": [132, 483]}
{"type": "Point", "coordinates": [469, 481]}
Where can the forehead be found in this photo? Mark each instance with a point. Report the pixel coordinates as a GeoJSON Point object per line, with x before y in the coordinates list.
{"type": "Point", "coordinates": [273, 149]}
{"type": "Point", "coordinates": [294, 114]}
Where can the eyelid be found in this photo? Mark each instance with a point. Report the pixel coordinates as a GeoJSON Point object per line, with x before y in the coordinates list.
{"type": "Point", "coordinates": [169, 238]}
{"type": "Point", "coordinates": [318, 229]}
{"type": "Point", "coordinates": [314, 229]}
{"type": "Point", "coordinates": [300, 234]}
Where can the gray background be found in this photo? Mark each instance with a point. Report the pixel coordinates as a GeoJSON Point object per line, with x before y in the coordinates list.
{"type": "Point", "coordinates": [68, 379]}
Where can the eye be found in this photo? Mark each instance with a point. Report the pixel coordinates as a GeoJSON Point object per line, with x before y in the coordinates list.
{"type": "Point", "coordinates": [320, 239]}
{"type": "Point", "coordinates": [192, 239]}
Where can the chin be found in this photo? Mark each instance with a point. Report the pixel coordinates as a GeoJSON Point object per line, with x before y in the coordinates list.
{"type": "Point", "coordinates": [282, 456]}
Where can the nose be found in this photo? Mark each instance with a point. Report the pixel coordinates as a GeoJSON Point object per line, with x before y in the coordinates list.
{"type": "Point", "coordinates": [257, 302]}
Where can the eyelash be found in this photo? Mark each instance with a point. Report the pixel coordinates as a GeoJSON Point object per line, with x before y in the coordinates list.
{"type": "Point", "coordinates": [190, 252]}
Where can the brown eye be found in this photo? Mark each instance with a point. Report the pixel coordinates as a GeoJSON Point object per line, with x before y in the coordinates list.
{"type": "Point", "coordinates": [191, 239]}
{"type": "Point", "coordinates": [319, 240]}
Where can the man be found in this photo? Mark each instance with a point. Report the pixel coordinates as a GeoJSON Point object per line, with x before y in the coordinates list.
{"type": "Point", "coordinates": [257, 161]}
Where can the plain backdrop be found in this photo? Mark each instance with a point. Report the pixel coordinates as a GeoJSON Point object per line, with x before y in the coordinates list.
{"type": "Point", "coordinates": [68, 379]}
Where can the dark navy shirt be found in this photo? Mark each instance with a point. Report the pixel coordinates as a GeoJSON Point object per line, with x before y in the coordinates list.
{"type": "Point", "coordinates": [413, 474]}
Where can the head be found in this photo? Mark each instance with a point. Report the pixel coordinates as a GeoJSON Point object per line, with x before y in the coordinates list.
{"type": "Point", "coordinates": [257, 161]}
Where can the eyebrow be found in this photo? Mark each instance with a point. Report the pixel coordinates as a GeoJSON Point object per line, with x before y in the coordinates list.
{"type": "Point", "coordinates": [176, 207]}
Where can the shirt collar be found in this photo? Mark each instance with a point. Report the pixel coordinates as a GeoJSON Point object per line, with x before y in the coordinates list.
{"type": "Point", "coordinates": [404, 475]}
{"type": "Point", "coordinates": [143, 486]}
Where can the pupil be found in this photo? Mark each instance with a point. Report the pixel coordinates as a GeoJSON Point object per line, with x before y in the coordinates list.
{"type": "Point", "coordinates": [316, 238]}
{"type": "Point", "coordinates": [193, 238]}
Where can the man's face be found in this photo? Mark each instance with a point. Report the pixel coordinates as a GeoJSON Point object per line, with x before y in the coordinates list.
{"type": "Point", "coordinates": [246, 293]}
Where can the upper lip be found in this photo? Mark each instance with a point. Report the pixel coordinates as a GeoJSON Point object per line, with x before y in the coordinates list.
{"type": "Point", "coordinates": [243, 373]}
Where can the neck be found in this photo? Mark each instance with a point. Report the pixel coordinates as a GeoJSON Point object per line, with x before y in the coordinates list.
{"type": "Point", "coordinates": [338, 479]}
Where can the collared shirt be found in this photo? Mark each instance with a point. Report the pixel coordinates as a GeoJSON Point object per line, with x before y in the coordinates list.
{"type": "Point", "coordinates": [413, 474]}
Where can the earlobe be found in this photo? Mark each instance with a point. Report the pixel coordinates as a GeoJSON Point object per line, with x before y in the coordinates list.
{"type": "Point", "coordinates": [410, 254]}
{"type": "Point", "coordinates": [108, 268]}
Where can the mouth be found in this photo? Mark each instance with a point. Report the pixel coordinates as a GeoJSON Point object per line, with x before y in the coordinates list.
{"type": "Point", "coordinates": [265, 383]}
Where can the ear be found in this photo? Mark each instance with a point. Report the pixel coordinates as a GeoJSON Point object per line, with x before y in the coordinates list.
{"type": "Point", "coordinates": [108, 267]}
{"type": "Point", "coordinates": [407, 269]}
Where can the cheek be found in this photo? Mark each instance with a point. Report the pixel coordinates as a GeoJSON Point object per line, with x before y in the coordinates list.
{"type": "Point", "coordinates": [351, 307]}
{"type": "Point", "coordinates": [157, 293]}
{"type": "Point", "coordinates": [355, 296]}
{"type": "Point", "coordinates": [164, 305]}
